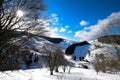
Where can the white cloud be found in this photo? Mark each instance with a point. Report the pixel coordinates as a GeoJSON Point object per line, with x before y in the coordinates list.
{"type": "Point", "coordinates": [84, 23]}
{"type": "Point", "coordinates": [84, 35]}
{"type": "Point", "coordinates": [53, 33]}
{"type": "Point", "coordinates": [70, 31]}
{"type": "Point", "coordinates": [92, 32]}
{"type": "Point", "coordinates": [54, 19]}
{"type": "Point", "coordinates": [55, 29]}
{"type": "Point", "coordinates": [50, 26]}
{"type": "Point", "coordinates": [62, 29]}
{"type": "Point", "coordinates": [67, 26]}
{"type": "Point", "coordinates": [53, 15]}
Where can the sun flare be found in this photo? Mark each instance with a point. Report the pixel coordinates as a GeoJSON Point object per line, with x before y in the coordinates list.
{"type": "Point", "coordinates": [19, 13]}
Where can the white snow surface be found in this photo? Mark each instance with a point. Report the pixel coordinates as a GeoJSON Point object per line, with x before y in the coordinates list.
{"type": "Point", "coordinates": [66, 43]}
{"type": "Point", "coordinates": [81, 51]}
{"type": "Point", "coordinates": [102, 48]}
{"type": "Point", "coordinates": [43, 74]}
{"type": "Point", "coordinates": [75, 74]}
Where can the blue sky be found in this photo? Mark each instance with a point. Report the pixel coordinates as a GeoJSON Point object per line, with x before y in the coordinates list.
{"type": "Point", "coordinates": [72, 16]}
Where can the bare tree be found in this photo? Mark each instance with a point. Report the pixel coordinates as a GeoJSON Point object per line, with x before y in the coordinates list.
{"type": "Point", "coordinates": [18, 17]}
{"type": "Point", "coordinates": [99, 63]}
{"type": "Point", "coordinates": [11, 17]}
{"type": "Point", "coordinates": [9, 58]}
{"type": "Point", "coordinates": [96, 64]}
{"type": "Point", "coordinates": [114, 63]}
{"type": "Point", "coordinates": [60, 59]}
{"type": "Point", "coordinates": [49, 51]}
{"type": "Point", "coordinates": [55, 58]}
{"type": "Point", "coordinates": [111, 35]}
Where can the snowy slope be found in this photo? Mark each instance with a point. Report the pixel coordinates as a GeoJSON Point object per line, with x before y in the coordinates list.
{"type": "Point", "coordinates": [89, 50]}
{"type": "Point", "coordinates": [36, 45]}
{"type": "Point", "coordinates": [64, 44]}
{"type": "Point", "coordinates": [101, 48]}
{"type": "Point", "coordinates": [81, 51]}
{"type": "Point", "coordinates": [43, 74]}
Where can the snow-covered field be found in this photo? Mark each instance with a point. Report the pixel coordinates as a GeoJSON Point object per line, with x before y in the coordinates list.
{"type": "Point", "coordinates": [43, 74]}
{"type": "Point", "coordinates": [75, 74]}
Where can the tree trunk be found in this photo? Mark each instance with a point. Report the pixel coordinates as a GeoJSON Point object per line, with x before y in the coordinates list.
{"type": "Point", "coordinates": [56, 69]}
{"type": "Point", "coordinates": [64, 68]}
{"type": "Point", "coordinates": [51, 72]}
{"type": "Point", "coordinates": [97, 73]}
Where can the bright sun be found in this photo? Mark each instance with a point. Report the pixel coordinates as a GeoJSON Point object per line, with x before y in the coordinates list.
{"type": "Point", "coordinates": [19, 13]}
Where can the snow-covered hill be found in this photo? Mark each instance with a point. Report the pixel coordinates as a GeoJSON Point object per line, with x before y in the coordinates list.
{"type": "Point", "coordinates": [79, 50]}
{"type": "Point", "coordinates": [88, 50]}
{"type": "Point", "coordinates": [36, 45]}
{"type": "Point", "coordinates": [31, 50]}
{"type": "Point", "coordinates": [66, 43]}
{"type": "Point", "coordinates": [84, 49]}
{"type": "Point", "coordinates": [101, 48]}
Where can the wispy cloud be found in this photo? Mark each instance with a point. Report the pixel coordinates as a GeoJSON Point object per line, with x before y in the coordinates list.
{"type": "Point", "coordinates": [62, 29]}
{"type": "Point", "coordinates": [83, 23]}
{"type": "Point", "coordinates": [70, 31]}
{"type": "Point", "coordinates": [67, 26]}
{"type": "Point", "coordinates": [97, 30]}
{"type": "Point", "coordinates": [53, 15]}
{"type": "Point", "coordinates": [55, 29]}
{"type": "Point", "coordinates": [53, 32]}
{"type": "Point", "coordinates": [54, 19]}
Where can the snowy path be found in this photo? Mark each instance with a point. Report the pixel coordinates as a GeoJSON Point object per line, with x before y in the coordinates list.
{"type": "Point", "coordinates": [43, 74]}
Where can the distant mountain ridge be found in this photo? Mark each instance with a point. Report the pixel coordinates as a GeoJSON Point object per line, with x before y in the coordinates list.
{"type": "Point", "coordinates": [53, 40]}
{"type": "Point", "coordinates": [109, 39]}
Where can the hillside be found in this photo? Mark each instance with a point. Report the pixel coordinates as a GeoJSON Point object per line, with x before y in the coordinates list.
{"type": "Point", "coordinates": [38, 70]}
{"type": "Point", "coordinates": [71, 48]}
{"type": "Point", "coordinates": [102, 45]}
{"type": "Point", "coordinates": [53, 40]}
{"type": "Point", "coordinates": [110, 39]}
